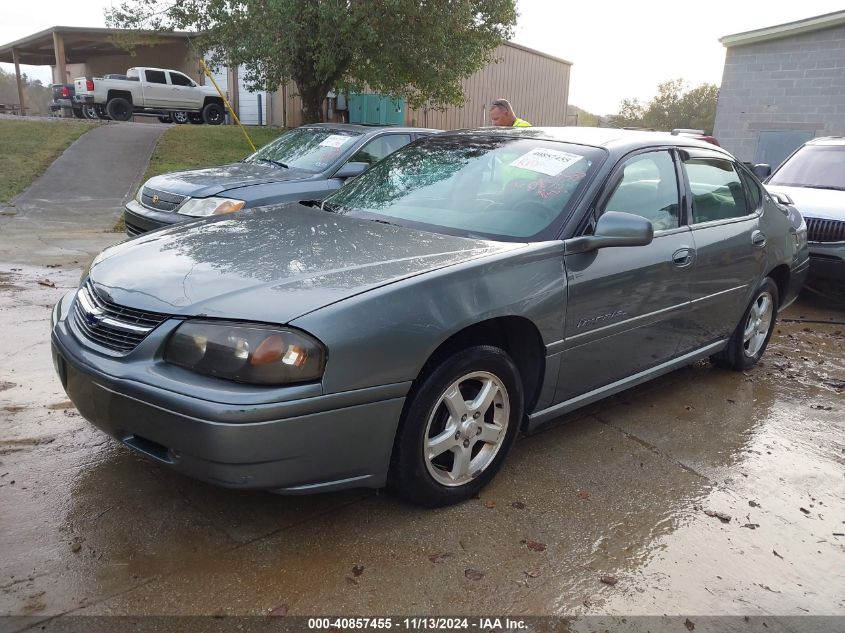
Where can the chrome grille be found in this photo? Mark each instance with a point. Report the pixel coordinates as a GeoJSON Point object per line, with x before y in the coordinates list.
{"type": "Point", "coordinates": [160, 200]}
{"type": "Point", "coordinates": [110, 325]}
{"type": "Point", "coordinates": [825, 230]}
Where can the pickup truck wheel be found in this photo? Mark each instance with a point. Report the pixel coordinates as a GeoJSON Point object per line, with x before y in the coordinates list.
{"type": "Point", "coordinates": [78, 114]}
{"type": "Point", "coordinates": [195, 118]}
{"type": "Point", "coordinates": [119, 109]}
{"type": "Point", "coordinates": [213, 114]}
{"type": "Point", "coordinates": [101, 112]}
{"type": "Point", "coordinates": [89, 112]}
{"type": "Point", "coordinates": [179, 117]}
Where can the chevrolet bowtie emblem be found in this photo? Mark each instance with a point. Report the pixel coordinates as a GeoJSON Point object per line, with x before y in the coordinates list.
{"type": "Point", "coordinates": [155, 199]}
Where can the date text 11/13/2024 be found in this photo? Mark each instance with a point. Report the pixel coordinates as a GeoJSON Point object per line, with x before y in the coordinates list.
{"type": "Point", "coordinates": [416, 623]}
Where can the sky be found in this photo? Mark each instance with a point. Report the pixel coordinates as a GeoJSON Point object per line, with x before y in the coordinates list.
{"type": "Point", "coordinates": [619, 49]}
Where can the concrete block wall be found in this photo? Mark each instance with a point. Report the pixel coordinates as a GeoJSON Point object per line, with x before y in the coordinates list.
{"type": "Point", "coordinates": [793, 83]}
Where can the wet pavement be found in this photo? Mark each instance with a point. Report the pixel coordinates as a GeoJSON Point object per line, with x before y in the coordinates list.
{"type": "Point", "coordinates": [702, 492]}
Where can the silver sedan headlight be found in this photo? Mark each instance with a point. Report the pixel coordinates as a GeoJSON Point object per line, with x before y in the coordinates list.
{"type": "Point", "coordinates": [203, 207]}
{"type": "Point", "coordinates": [255, 354]}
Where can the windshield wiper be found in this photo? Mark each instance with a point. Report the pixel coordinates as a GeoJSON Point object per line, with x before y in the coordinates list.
{"type": "Point", "coordinates": [275, 162]}
{"type": "Point", "coordinates": [806, 186]}
{"type": "Point", "coordinates": [834, 187]}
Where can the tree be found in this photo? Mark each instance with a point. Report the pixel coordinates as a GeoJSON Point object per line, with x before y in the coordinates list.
{"type": "Point", "coordinates": [674, 106]}
{"type": "Point", "coordinates": [416, 49]}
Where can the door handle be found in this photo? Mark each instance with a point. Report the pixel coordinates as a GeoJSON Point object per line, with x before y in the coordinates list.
{"type": "Point", "coordinates": [683, 257]}
{"type": "Point", "coordinates": [758, 238]}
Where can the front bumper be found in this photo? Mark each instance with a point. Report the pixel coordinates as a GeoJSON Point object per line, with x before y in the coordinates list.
{"type": "Point", "coordinates": [827, 261]}
{"type": "Point", "coordinates": [299, 445]}
{"type": "Point", "coordinates": [139, 219]}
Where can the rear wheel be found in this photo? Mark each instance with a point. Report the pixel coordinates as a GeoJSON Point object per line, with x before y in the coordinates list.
{"type": "Point", "coordinates": [78, 113]}
{"type": "Point", "coordinates": [213, 114]}
{"type": "Point", "coordinates": [457, 427]}
{"type": "Point", "coordinates": [749, 340]}
{"type": "Point", "coordinates": [179, 117]}
{"type": "Point", "coordinates": [119, 109]}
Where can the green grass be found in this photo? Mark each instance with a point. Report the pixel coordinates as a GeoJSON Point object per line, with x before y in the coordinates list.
{"type": "Point", "coordinates": [28, 148]}
{"type": "Point", "coordinates": [193, 146]}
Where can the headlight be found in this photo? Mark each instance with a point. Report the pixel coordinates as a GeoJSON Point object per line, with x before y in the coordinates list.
{"type": "Point", "coordinates": [202, 207]}
{"type": "Point", "coordinates": [254, 354]}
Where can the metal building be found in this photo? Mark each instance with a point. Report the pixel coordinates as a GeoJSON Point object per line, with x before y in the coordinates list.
{"type": "Point", "coordinates": [536, 84]}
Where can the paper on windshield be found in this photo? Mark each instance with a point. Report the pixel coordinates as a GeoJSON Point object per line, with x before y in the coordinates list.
{"type": "Point", "coordinates": [335, 140]}
{"type": "Point", "coordinates": [546, 161]}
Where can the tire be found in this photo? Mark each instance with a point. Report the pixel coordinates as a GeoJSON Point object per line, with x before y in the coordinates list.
{"type": "Point", "coordinates": [432, 479]}
{"type": "Point", "coordinates": [101, 112]}
{"type": "Point", "coordinates": [180, 117]}
{"type": "Point", "coordinates": [89, 112]}
{"type": "Point", "coordinates": [213, 114]}
{"type": "Point", "coordinates": [119, 109]}
{"type": "Point", "coordinates": [165, 119]}
{"type": "Point", "coordinates": [195, 118]}
{"type": "Point", "coordinates": [751, 336]}
{"type": "Point", "coordinates": [78, 113]}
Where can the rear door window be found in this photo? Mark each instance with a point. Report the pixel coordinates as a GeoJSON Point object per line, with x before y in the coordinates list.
{"type": "Point", "coordinates": [155, 76]}
{"type": "Point", "coordinates": [717, 192]}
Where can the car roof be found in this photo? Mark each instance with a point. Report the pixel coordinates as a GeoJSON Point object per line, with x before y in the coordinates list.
{"type": "Point", "coordinates": [607, 137]}
{"type": "Point", "coordinates": [371, 129]}
{"type": "Point", "coordinates": [827, 140]}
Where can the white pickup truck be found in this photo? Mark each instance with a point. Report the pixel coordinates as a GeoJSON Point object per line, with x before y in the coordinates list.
{"type": "Point", "coordinates": [167, 94]}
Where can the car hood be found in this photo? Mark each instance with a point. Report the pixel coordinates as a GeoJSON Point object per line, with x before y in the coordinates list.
{"type": "Point", "coordinates": [201, 183]}
{"type": "Point", "coordinates": [824, 204]}
{"type": "Point", "coordinates": [271, 264]}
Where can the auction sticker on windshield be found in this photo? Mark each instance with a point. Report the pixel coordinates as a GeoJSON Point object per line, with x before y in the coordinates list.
{"type": "Point", "coordinates": [335, 140]}
{"type": "Point", "coordinates": [546, 161]}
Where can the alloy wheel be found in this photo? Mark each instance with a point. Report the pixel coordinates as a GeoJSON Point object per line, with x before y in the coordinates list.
{"type": "Point", "coordinates": [466, 428]}
{"type": "Point", "coordinates": [757, 326]}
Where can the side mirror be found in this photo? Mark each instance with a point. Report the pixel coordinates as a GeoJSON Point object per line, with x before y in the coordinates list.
{"type": "Point", "coordinates": [614, 229]}
{"type": "Point", "coordinates": [781, 198]}
{"type": "Point", "coordinates": [762, 171]}
{"type": "Point", "coordinates": [350, 170]}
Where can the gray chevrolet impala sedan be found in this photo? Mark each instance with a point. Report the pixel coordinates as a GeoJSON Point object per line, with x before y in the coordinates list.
{"type": "Point", "coordinates": [464, 290]}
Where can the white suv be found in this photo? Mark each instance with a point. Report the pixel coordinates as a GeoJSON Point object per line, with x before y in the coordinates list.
{"type": "Point", "coordinates": [814, 177]}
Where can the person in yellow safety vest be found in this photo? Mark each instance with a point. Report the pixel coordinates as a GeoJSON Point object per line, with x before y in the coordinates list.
{"type": "Point", "coordinates": [502, 115]}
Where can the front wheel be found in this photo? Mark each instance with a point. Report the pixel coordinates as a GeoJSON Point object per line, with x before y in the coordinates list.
{"type": "Point", "coordinates": [195, 118]}
{"type": "Point", "coordinates": [213, 114]}
{"type": "Point", "coordinates": [180, 117]}
{"type": "Point", "coordinates": [749, 340]}
{"type": "Point", "coordinates": [457, 427]}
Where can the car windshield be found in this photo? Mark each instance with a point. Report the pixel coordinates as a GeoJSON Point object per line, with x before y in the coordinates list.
{"type": "Point", "coordinates": [308, 148]}
{"type": "Point", "coordinates": [507, 188]}
{"type": "Point", "coordinates": [815, 166]}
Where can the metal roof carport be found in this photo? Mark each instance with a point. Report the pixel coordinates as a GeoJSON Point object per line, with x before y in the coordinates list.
{"type": "Point", "coordinates": [59, 46]}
